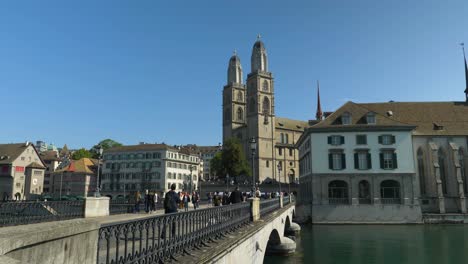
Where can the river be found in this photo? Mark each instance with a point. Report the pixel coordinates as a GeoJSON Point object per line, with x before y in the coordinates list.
{"type": "Point", "coordinates": [367, 244]}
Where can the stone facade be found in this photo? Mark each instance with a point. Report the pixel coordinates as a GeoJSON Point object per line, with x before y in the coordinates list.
{"type": "Point", "coordinates": [249, 113]}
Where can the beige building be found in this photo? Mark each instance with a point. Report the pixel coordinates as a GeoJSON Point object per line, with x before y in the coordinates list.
{"type": "Point", "coordinates": [128, 169]}
{"type": "Point", "coordinates": [52, 161]}
{"type": "Point", "coordinates": [77, 178]}
{"type": "Point", "coordinates": [249, 113]}
{"type": "Point", "coordinates": [21, 172]}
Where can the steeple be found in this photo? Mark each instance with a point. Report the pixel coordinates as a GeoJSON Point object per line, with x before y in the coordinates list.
{"type": "Point", "coordinates": [319, 113]}
{"type": "Point", "coordinates": [466, 73]}
{"type": "Point", "coordinates": [259, 59]}
{"type": "Point", "coordinates": [234, 69]}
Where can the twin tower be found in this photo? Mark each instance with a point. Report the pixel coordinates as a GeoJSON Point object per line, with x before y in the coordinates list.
{"type": "Point", "coordinates": [248, 108]}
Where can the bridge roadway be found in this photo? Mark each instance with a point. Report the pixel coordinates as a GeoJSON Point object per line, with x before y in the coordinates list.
{"type": "Point", "coordinates": [75, 241]}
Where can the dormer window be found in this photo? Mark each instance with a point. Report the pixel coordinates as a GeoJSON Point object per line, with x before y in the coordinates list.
{"type": "Point", "coordinates": [438, 126]}
{"type": "Point", "coordinates": [370, 118]}
{"type": "Point", "coordinates": [346, 118]}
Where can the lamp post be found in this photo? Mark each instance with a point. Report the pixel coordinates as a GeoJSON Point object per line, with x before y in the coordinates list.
{"type": "Point", "coordinates": [97, 194]}
{"type": "Point", "coordinates": [279, 173]}
{"type": "Point", "coordinates": [191, 168]}
{"type": "Point", "coordinates": [253, 148]}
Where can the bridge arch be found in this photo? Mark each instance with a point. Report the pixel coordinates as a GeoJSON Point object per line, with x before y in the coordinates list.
{"type": "Point", "coordinates": [273, 240]}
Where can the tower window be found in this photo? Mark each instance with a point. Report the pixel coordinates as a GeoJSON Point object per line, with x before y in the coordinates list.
{"type": "Point", "coordinates": [240, 97]}
{"type": "Point", "coordinates": [266, 106]}
{"type": "Point", "coordinates": [265, 86]}
{"type": "Point", "coordinates": [240, 114]}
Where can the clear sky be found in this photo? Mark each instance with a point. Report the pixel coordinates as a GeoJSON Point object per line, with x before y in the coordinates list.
{"type": "Point", "coordinates": [77, 72]}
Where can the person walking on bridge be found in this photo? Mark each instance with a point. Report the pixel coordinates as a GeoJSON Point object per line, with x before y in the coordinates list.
{"type": "Point", "coordinates": [236, 196]}
{"type": "Point", "coordinates": [171, 200]}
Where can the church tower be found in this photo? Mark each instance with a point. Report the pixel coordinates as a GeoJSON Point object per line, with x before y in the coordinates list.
{"type": "Point", "coordinates": [261, 112]}
{"type": "Point", "coordinates": [234, 100]}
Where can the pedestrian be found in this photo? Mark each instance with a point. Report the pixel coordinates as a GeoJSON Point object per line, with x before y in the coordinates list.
{"type": "Point", "coordinates": [210, 199]}
{"type": "Point", "coordinates": [147, 201]}
{"type": "Point", "coordinates": [236, 196]}
{"type": "Point", "coordinates": [186, 200]}
{"type": "Point", "coordinates": [195, 198]}
{"type": "Point", "coordinates": [156, 200]}
{"type": "Point", "coordinates": [181, 201]}
{"type": "Point", "coordinates": [257, 193]}
{"type": "Point", "coordinates": [171, 200]}
{"type": "Point", "coordinates": [137, 201]}
{"type": "Point", "coordinates": [225, 199]}
{"type": "Point", "coordinates": [216, 199]}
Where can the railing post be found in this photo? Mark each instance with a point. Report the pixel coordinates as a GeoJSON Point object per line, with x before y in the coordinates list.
{"type": "Point", "coordinates": [255, 208]}
{"type": "Point", "coordinates": [96, 206]}
{"type": "Point", "coordinates": [281, 200]}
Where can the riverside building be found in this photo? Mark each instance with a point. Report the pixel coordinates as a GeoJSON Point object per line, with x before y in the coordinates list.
{"type": "Point", "coordinates": [154, 167]}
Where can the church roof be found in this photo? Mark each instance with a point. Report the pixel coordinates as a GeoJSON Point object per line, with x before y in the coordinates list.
{"type": "Point", "coordinates": [286, 123]}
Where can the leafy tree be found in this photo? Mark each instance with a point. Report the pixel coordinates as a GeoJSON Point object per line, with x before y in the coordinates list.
{"type": "Point", "coordinates": [104, 144]}
{"type": "Point", "coordinates": [233, 158]}
{"type": "Point", "coordinates": [81, 153]}
{"type": "Point", "coordinates": [216, 164]}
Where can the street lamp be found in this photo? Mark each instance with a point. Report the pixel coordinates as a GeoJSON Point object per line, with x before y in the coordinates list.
{"type": "Point", "coordinates": [253, 148]}
{"type": "Point", "coordinates": [279, 178]}
{"type": "Point", "coordinates": [97, 194]}
{"type": "Point", "coordinates": [191, 182]}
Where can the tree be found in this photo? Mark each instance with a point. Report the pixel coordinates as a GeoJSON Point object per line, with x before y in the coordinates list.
{"type": "Point", "coordinates": [216, 164]}
{"type": "Point", "coordinates": [81, 153]}
{"type": "Point", "coordinates": [104, 144]}
{"type": "Point", "coordinates": [233, 159]}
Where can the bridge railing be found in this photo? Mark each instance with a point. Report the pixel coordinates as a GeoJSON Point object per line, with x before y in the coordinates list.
{"type": "Point", "coordinates": [268, 206]}
{"type": "Point", "coordinates": [19, 213]}
{"type": "Point", "coordinates": [160, 238]}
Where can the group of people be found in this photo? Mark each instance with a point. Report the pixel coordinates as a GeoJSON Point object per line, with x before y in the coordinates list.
{"type": "Point", "coordinates": [226, 198]}
{"type": "Point", "coordinates": [185, 198]}
{"type": "Point", "coordinates": [150, 201]}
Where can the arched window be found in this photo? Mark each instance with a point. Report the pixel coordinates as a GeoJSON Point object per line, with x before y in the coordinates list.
{"type": "Point", "coordinates": [252, 105]}
{"type": "Point", "coordinates": [266, 105]}
{"type": "Point", "coordinates": [421, 174]}
{"type": "Point", "coordinates": [265, 86]}
{"type": "Point", "coordinates": [442, 170]}
{"type": "Point", "coordinates": [240, 114]}
{"type": "Point", "coordinates": [338, 192]}
{"type": "Point", "coordinates": [240, 96]}
{"type": "Point", "coordinates": [227, 115]}
{"type": "Point", "coordinates": [390, 192]}
{"type": "Point", "coordinates": [287, 138]}
{"type": "Point", "coordinates": [292, 175]}
{"type": "Point", "coordinates": [364, 192]}
{"type": "Point", "coordinates": [461, 160]}
{"type": "Point", "coordinates": [282, 138]}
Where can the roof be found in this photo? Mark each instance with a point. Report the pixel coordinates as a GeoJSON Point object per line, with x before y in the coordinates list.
{"type": "Point", "coordinates": [35, 165]}
{"type": "Point", "coordinates": [450, 117]}
{"type": "Point", "coordinates": [358, 119]}
{"type": "Point", "coordinates": [285, 123]}
{"type": "Point", "coordinates": [84, 165]}
{"type": "Point", "coordinates": [10, 152]}
{"type": "Point", "coordinates": [49, 155]}
{"type": "Point", "coordinates": [140, 147]}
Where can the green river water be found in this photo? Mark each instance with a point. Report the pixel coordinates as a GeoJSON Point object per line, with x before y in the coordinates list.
{"type": "Point", "coordinates": [367, 244]}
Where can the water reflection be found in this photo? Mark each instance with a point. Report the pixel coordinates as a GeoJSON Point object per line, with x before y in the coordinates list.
{"type": "Point", "coordinates": [416, 244]}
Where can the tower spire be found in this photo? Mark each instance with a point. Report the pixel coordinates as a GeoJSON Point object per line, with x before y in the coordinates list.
{"type": "Point", "coordinates": [318, 114]}
{"type": "Point", "coordinates": [466, 72]}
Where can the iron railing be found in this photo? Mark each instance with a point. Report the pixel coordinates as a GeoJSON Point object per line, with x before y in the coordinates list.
{"type": "Point", "coordinates": [161, 238]}
{"type": "Point", "coordinates": [267, 206]}
{"type": "Point", "coordinates": [19, 213]}
{"type": "Point", "coordinates": [390, 200]}
{"type": "Point", "coordinates": [125, 207]}
{"type": "Point", "coordinates": [338, 200]}
{"type": "Point", "coordinates": [285, 200]}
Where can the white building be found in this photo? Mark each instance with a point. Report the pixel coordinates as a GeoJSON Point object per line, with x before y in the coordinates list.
{"type": "Point", "coordinates": [357, 166]}
{"type": "Point", "coordinates": [154, 167]}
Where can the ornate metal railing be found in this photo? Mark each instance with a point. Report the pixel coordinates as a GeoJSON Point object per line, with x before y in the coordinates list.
{"type": "Point", "coordinates": [120, 207]}
{"type": "Point", "coordinates": [19, 213]}
{"type": "Point", "coordinates": [157, 239]}
{"type": "Point", "coordinates": [267, 206]}
{"type": "Point", "coordinates": [285, 200]}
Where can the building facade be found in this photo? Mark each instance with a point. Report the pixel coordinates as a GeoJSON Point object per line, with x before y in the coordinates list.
{"type": "Point", "coordinates": [249, 113]}
{"type": "Point", "coordinates": [21, 172]}
{"type": "Point", "coordinates": [76, 178]}
{"type": "Point", "coordinates": [51, 161]}
{"type": "Point", "coordinates": [154, 167]}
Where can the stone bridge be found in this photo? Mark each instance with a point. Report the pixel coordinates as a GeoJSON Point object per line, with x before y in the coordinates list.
{"type": "Point", "coordinates": [240, 233]}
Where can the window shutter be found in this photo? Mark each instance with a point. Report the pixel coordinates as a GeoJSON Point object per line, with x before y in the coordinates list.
{"type": "Point", "coordinates": [393, 139]}
{"type": "Point", "coordinates": [329, 140]}
{"type": "Point", "coordinates": [356, 160]}
{"type": "Point", "coordinates": [342, 140]}
{"type": "Point", "coordinates": [343, 160]}
{"type": "Point", "coordinates": [395, 165]}
{"type": "Point", "coordinates": [381, 161]}
{"type": "Point", "coordinates": [369, 161]}
{"type": "Point", "coordinates": [380, 139]}
{"type": "Point", "coordinates": [330, 161]}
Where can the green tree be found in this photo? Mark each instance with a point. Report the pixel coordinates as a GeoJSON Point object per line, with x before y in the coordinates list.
{"type": "Point", "coordinates": [81, 153]}
{"type": "Point", "coordinates": [233, 159]}
{"type": "Point", "coordinates": [216, 164]}
{"type": "Point", "coordinates": [104, 144]}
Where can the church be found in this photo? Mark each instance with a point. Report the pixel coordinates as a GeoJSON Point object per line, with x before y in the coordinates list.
{"type": "Point", "coordinates": [249, 114]}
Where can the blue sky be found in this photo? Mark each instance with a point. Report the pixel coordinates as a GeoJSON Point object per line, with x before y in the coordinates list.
{"type": "Point", "coordinates": [77, 72]}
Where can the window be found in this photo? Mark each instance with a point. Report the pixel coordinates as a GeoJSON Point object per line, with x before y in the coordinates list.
{"type": "Point", "coordinates": [287, 139]}
{"type": "Point", "coordinates": [240, 114]}
{"type": "Point", "coordinates": [346, 118]}
{"type": "Point", "coordinates": [442, 169]}
{"type": "Point", "coordinates": [386, 139]}
{"type": "Point", "coordinates": [265, 86]}
{"type": "Point", "coordinates": [280, 151]}
{"type": "Point", "coordinates": [240, 96]}
{"type": "Point", "coordinates": [362, 160]}
{"type": "Point", "coordinates": [266, 106]}
{"type": "Point", "coordinates": [108, 165]}
{"type": "Point", "coordinates": [388, 160]}
{"type": "Point", "coordinates": [291, 152]}
{"type": "Point", "coordinates": [282, 138]}
{"type": "Point", "coordinates": [370, 118]}
{"type": "Point", "coordinates": [390, 192]}
{"type": "Point", "coordinates": [338, 192]}
{"type": "Point", "coordinates": [268, 164]}
{"type": "Point", "coordinates": [361, 139]}
{"type": "Point", "coordinates": [336, 161]}
{"type": "Point", "coordinates": [336, 140]}
{"type": "Point", "coordinates": [421, 174]}
{"type": "Point", "coordinates": [364, 192]}
{"type": "Point", "coordinates": [169, 175]}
